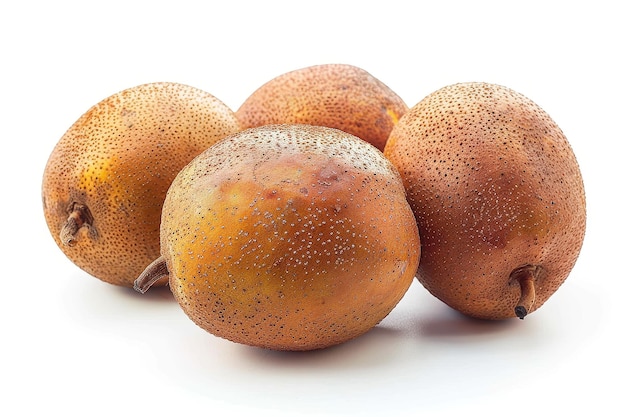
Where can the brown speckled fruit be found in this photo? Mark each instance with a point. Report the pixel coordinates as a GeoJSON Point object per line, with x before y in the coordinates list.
{"type": "Point", "coordinates": [290, 237]}
{"type": "Point", "coordinates": [333, 95]}
{"type": "Point", "coordinates": [498, 197]}
{"type": "Point", "coordinates": [106, 179]}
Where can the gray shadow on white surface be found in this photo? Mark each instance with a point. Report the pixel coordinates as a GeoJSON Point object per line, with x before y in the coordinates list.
{"type": "Point", "coordinates": [451, 324]}
{"type": "Point", "coordinates": [375, 348]}
{"type": "Point", "coordinates": [422, 345]}
{"type": "Point", "coordinates": [88, 300]}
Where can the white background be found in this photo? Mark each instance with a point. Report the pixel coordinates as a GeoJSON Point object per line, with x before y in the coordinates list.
{"type": "Point", "coordinates": [74, 346]}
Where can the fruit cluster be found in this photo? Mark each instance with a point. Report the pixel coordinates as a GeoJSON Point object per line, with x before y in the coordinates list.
{"type": "Point", "coordinates": [300, 220]}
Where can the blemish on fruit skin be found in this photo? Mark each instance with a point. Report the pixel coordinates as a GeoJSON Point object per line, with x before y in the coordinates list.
{"type": "Point", "coordinates": [392, 114]}
{"type": "Point", "coordinates": [270, 194]}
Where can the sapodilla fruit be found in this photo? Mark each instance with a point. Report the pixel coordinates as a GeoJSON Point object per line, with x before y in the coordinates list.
{"type": "Point", "coordinates": [106, 179]}
{"type": "Point", "coordinates": [332, 95]}
{"type": "Point", "coordinates": [498, 197]}
{"type": "Point", "coordinates": [287, 237]}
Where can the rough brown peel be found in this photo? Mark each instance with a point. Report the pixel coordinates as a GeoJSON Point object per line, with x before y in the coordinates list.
{"type": "Point", "coordinates": [340, 96]}
{"type": "Point", "coordinates": [288, 237]}
{"type": "Point", "coordinates": [106, 179]}
{"type": "Point", "coordinates": [495, 186]}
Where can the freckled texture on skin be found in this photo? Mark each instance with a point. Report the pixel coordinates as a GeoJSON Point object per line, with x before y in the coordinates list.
{"type": "Point", "coordinates": [289, 237]}
{"type": "Point", "coordinates": [118, 159]}
{"type": "Point", "coordinates": [494, 185]}
{"type": "Point", "coordinates": [333, 95]}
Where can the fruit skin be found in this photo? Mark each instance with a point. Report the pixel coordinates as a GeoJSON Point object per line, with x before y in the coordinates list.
{"type": "Point", "coordinates": [341, 96]}
{"type": "Point", "coordinates": [289, 237]}
{"type": "Point", "coordinates": [495, 187]}
{"type": "Point", "coordinates": [118, 160]}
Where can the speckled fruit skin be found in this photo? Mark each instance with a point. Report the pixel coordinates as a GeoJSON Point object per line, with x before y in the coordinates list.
{"type": "Point", "coordinates": [341, 96]}
{"type": "Point", "coordinates": [494, 186]}
{"type": "Point", "coordinates": [118, 159]}
{"type": "Point", "coordinates": [289, 237]}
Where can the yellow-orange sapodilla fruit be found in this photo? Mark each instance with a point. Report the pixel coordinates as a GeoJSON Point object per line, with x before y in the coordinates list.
{"type": "Point", "coordinates": [105, 182]}
{"type": "Point", "coordinates": [498, 196]}
{"type": "Point", "coordinates": [333, 95]}
{"type": "Point", "coordinates": [287, 237]}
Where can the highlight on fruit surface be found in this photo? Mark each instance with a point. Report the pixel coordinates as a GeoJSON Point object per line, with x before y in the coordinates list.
{"type": "Point", "coordinates": [498, 197]}
{"type": "Point", "coordinates": [105, 181]}
{"type": "Point", "coordinates": [287, 237]}
{"type": "Point", "coordinates": [341, 96]}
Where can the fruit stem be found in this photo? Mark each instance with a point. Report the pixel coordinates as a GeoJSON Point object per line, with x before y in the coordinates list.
{"type": "Point", "coordinates": [526, 276]}
{"type": "Point", "coordinates": [79, 216]}
{"type": "Point", "coordinates": [153, 272]}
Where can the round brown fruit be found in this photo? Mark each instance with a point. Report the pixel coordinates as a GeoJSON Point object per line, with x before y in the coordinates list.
{"type": "Point", "coordinates": [106, 179]}
{"type": "Point", "coordinates": [498, 197]}
{"type": "Point", "coordinates": [287, 237]}
{"type": "Point", "coordinates": [341, 96]}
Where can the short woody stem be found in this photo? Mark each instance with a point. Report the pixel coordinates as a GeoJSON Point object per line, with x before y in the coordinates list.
{"type": "Point", "coordinates": [79, 216]}
{"type": "Point", "coordinates": [526, 276]}
{"type": "Point", "coordinates": [69, 230]}
{"type": "Point", "coordinates": [153, 273]}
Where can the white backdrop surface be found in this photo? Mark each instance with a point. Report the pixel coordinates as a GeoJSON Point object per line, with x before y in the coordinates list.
{"type": "Point", "coordinates": [76, 346]}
